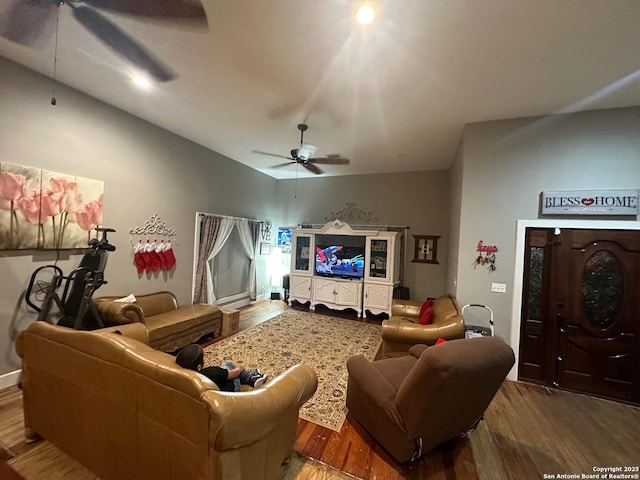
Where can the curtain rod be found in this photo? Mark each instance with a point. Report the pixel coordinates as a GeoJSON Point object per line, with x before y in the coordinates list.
{"type": "Point", "coordinates": [304, 226]}
{"type": "Point", "coordinates": [202, 215]}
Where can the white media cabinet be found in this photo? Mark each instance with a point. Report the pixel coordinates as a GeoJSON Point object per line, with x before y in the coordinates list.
{"type": "Point", "coordinates": [371, 293]}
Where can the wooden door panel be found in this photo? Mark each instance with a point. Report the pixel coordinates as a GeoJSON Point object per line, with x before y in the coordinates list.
{"type": "Point", "coordinates": [581, 331]}
{"type": "Point", "coordinates": [597, 346]}
{"type": "Point", "coordinates": [533, 364]}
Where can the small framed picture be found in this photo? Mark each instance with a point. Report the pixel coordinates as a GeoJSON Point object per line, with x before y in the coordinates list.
{"type": "Point", "coordinates": [284, 237]}
{"type": "Point", "coordinates": [265, 248]}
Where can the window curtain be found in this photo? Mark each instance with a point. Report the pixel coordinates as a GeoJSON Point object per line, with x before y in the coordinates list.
{"type": "Point", "coordinates": [209, 228]}
{"type": "Point", "coordinates": [248, 231]}
{"type": "Point", "coordinates": [214, 232]}
{"type": "Point", "coordinates": [226, 227]}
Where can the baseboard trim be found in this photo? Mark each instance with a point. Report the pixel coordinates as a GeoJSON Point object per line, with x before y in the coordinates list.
{"type": "Point", "coordinates": [10, 379]}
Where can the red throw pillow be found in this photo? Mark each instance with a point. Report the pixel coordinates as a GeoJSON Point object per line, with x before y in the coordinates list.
{"type": "Point", "coordinates": [426, 312]}
{"type": "Point", "coordinates": [440, 340]}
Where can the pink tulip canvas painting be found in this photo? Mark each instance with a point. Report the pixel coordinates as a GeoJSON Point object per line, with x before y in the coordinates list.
{"type": "Point", "coordinates": [40, 209]}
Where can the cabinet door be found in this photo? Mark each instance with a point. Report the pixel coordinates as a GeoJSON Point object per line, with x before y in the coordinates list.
{"type": "Point", "coordinates": [377, 298]}
{"type": "Point", "coordinates": [380, 259]}
{"type": "Point", "coordinates": [348, 293]}
{"type": "Point", "coordinates": [302, 254]}
{"type": "Point", "coordinates": [300, 288]}
{"type": "Point", "coordinates": [324, 291]}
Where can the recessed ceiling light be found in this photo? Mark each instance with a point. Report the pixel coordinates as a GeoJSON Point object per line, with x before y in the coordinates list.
{"type": "Point", "coordinates": [141, 81]}
{"type": "Point", "coordinates": [365, 14]}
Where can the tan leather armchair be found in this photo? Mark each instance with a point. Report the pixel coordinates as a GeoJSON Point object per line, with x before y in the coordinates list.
{"type": "Point", "coordinates": [127, 411]}
{"type": "Point", "coordinates": [414, 403]}
{"type": "Point", "coordinates": [403, 330]}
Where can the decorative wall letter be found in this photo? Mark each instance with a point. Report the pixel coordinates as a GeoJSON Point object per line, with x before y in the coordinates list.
{"type": "Point", "coordinates": [426, 249]}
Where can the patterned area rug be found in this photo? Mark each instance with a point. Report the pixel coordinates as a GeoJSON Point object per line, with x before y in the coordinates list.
{"type": "Point", "coordinates": [322, 342]}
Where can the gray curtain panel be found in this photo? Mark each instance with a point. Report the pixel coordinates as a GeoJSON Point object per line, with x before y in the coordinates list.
{"type": "Point", "coordinates": [209, 231]}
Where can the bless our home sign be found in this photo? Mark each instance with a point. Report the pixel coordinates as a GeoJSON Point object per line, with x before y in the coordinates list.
{"type": "Point", "coordinates": [590, 202]}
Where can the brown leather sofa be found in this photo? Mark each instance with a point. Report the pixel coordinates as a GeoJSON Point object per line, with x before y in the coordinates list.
{"type": "Point", "coordinates": [170, 326]}
{"type": "Point", "coordinates": [127, 411]}
{"type": "Point", "coordinates": [414, 403]}
{"type": "Point", "coordinates": [403, 330]}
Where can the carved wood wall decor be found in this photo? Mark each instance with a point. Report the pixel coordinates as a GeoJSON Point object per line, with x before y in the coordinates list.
{"type": "Point", "coordinates": [351, 213]}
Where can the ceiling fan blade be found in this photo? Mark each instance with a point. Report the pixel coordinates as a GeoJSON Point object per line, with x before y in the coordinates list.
{"type": "Point", "coordinates": [271, 154]}
{"type": "Point", "coordinates": [311, 167]}
{"type": "Point", "coordinates": [164, 9]}
{"type": "Point", "coordinates": [122, 43]}
{"type": "Point", "coordinates": [285, 164]}
{"type": "Point", "coordinates": [24, 22]}
{"type": "Point", "coordinates": [331, 160]}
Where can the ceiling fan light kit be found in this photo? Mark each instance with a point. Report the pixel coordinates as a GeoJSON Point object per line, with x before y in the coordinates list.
{"type": "Point", "coordinates": [306, 151]}
{"type": "Point", "coordinates": [304, 155]}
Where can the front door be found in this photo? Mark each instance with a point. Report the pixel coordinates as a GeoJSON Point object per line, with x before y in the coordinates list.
{"type": "Point", "coordinates": [589, 311]}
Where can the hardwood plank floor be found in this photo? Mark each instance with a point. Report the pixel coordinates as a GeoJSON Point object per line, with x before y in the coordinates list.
{"type": "Point", "coordinates": [528, 431]}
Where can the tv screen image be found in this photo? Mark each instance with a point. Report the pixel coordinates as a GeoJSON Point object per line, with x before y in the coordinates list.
{"type": "Point", "coordinates": [340, 256]}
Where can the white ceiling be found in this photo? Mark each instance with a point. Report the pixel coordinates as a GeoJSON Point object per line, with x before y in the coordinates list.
{"type": "Point", "coordinates": [393, 96]}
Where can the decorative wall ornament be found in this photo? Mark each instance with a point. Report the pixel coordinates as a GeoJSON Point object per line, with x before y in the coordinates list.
{"type": "Point", "coordinates": [590, 202]}
{"type": "Point", "coordinates": [488, 259]}
{"type": "Point", "coordinates": [265, 230]}
{"type": "Point", "coordinates": [153, 226]}
{"type": "Point", "coordinates": [351, 214]}
{"type": "Point", "coordinates": [426, 249]}
{"type": "Point", "coordinates": [157, 252]}
{"type": "Point", "coordinates": [40, 209]}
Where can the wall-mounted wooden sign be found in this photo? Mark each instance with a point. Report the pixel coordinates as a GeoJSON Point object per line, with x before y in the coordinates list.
{"type": "Point", "coordinates": [426, 249]}
{"type": "Point", "coordinates": [590, 202]}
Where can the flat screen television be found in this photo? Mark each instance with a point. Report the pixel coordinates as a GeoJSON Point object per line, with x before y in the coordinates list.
{"type": "Point", "coordinates": [340, 256]}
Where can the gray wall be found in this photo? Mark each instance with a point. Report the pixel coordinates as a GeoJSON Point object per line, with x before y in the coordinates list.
{"type": "Point", "coordinates": [506, 164]}
{"type": "Point", "coordinates": [419, 200]}
{"type": "Point", "coordinates": [455, 175]}
{"type": "Point", "coordinates": [498, 172]}
{"type": "Point", "coordinates": [148, 170]}
{"type": "Point", "coordinates": [145, 169]}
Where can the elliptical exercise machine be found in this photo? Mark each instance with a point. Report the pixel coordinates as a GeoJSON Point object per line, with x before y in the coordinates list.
{"type": "Point", "coordinates": [78, 290]}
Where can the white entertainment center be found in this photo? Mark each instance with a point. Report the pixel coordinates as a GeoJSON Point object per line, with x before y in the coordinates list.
{"type": "Point", "coordinates": [339, 267]}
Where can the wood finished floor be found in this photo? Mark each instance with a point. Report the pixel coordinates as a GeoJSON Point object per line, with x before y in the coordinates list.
{"type": "Point", "coordinates": [528, 431]}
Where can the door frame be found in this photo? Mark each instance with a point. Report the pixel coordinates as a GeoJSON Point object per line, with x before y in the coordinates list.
{"type": "Point", "coordinates": [521, 227]}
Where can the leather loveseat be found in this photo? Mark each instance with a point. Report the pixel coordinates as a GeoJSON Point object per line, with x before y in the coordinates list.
{"type": "Point", "coordinates": [170, 326]}
{"type": "Point", "coordinates": [403, 329]}
{"type": "Point", "coordinates": [127, 411]}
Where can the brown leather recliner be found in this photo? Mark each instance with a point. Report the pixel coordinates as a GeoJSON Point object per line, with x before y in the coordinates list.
{"type": "Point", "coordinates": [403, 330]}
{"type": "Point", "coordinates": [414, 403]}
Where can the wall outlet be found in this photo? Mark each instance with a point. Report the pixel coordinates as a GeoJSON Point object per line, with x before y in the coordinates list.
{"type": "Point", "coordinates": [499, 287]}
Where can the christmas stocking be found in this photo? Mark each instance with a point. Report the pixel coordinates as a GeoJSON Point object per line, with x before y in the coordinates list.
{"type": "Point", "coordinates": [146, 256]}
{"type": "Point", "coordinates": [155, 259]}
{"type": "Point", "coordinates": [161, 255]}
{"type": "Point", "coordinates": [168, 253]}
{"type": "Point", "coordinates": [137, 257]}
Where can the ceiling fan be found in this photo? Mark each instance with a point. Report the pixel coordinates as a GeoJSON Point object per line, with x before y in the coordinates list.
{"type": "Point", "coordinates": [304, 155]}
{"type": "Point", "coordinates": [26, 20]}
